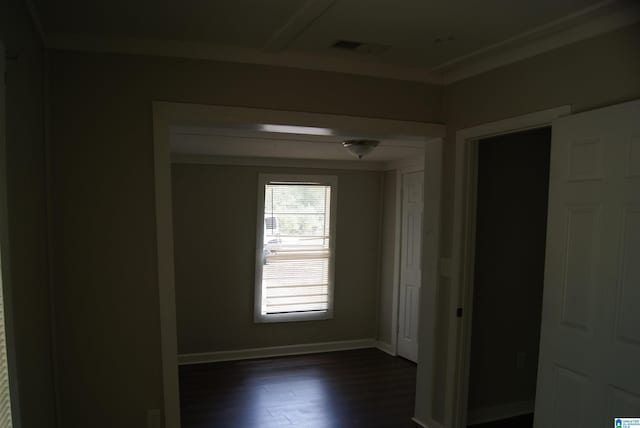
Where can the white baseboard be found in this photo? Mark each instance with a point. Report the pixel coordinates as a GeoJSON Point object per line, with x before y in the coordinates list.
{"type": "Point", "coordinates": [386, 347]}
{"type": "Point", "coordinates": [275, 351]}
{"type": "Point", "coordinates": [494, 413]}
{"type": "Point", "coordinates": [424, 425]}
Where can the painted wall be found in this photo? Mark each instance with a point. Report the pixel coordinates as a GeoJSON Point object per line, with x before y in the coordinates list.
{"type": "Point", "coordinates": [106, 299]}
{"type": "Point", "coordinates": [511, 224]}
{"type": "Point", "coordinates": [101, 132]}
{"type": "Point", "coordinates": [214, 210]}
{"type": "Point", "coordinates": [592, 73]}
{"type": "Point", "coordinates": [387, 257]}
{"type": "Point", "coordinates": [27, 206]}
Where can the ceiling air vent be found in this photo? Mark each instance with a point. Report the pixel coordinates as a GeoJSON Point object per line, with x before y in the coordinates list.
{"type": "Point", "coordinates": [347, 45]}
{"type": "Point", "coordinates": [360, 47]}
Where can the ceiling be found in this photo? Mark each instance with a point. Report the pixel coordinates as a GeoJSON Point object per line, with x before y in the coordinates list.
{"type": "Point", "coordinates": [238, 142]}
{"type": "Point", "coordinates": [407, 39]}
{"type": "Point", "coordinates": [418, 34]}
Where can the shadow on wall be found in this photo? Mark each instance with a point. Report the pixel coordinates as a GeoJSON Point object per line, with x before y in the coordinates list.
{"type": "Point", "coordinates": [512, 194]}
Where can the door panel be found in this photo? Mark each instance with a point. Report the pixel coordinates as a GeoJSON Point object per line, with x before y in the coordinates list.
{"type": "Point", "coordinates": [628, 322]}
{"type": "Point", "coordinates": [589, 367]}
{"type": "Point", "coordinates": [410, 259]}
{"type": "Point", "coordinates": [582, 235]}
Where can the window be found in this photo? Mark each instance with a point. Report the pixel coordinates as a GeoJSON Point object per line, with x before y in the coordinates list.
{"type": "Point", "coordinates": [295, 247]}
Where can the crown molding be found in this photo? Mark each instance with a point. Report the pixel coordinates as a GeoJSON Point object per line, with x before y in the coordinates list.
{"type": "Point", "coordinates": [208, 51]}
{"type": "Point", "coordinates": [597, 19]}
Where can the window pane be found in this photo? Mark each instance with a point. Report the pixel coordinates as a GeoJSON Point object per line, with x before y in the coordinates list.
{"type": "Point", "coordinates": [296, 255]}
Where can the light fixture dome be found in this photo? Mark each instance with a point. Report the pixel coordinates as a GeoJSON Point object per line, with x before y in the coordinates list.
{"type": "Point", "coordinates": [360, 148]}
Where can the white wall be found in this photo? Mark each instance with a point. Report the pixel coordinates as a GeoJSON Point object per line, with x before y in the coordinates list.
{"type": "Point", "coordinates": [388, 274]}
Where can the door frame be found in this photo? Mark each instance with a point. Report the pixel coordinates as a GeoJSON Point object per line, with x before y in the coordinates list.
{"type": "Point", "coordinates": [167, 115]}
{"type": "Point", "coordinates": [5, 270]}
{"type": "Point", "coordinates": [464, 222]}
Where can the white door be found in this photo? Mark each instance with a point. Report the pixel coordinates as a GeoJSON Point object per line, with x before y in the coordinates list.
{"type": "Point", "coordinates": [589, 368]}
{"type": "Point", "coordinates": [410, 260]}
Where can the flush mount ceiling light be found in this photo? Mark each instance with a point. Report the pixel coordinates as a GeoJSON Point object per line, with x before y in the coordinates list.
{"type": "Point", "coordinates": [360, 148]}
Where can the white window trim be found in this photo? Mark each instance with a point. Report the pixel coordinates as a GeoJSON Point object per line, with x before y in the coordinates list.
{"type": "Point", "coordinates": [263, 179]}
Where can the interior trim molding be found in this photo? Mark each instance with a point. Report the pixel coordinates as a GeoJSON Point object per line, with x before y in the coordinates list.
{"type": "Point", "coordinates": [512, 124]}
{"type": "Point", "coordinates": [177, 158]}
{"type": "Point", "coordinates": [386, 348]}
{"type": "Point", "coordinates": [424, 425]}
{"type": "Point", "coordinates": [461, 294]}
{"type": "Point", "coordinates": [397, 238]}
{"type": "Point", "coordinates": [168, 116]}
{"type": "Point", "coordinates": [600, 18]}
{"type": "Point", "coordinates": [275, 351]}
{"type": "Point", "coordinates": [162, 120]}
{"type": "Point", "coordinates": [6, 282]}
{"type": "Point", "coordinates": [214, 52]}
{"type": "Point", "coordinates": [412, 164]}
{"type": "Point", "coordinates": [482, 415]}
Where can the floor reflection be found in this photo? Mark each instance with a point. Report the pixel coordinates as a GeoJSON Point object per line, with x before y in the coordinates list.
{"type": "Point", "coordinates": [363, 388]}
{"type": "Point", "coordinates": [291, 399]}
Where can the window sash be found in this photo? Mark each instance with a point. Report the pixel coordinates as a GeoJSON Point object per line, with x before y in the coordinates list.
{"type": "Point", "coordinates": [285, 291]}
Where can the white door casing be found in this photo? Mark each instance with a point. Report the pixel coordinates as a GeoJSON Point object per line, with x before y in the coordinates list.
{"type": "Point", "coordinates": [9, 405]}
{"type": "Point", "coordinates": [589, 367]}
{"type": "Point", "coordinates": [461, 272]}
{"type": "Point", "coordinates": [410, 259]}
{"type": "Point", "coordinates": [167, 115]}
{"type": "Point", "coordinates": [426, 371]}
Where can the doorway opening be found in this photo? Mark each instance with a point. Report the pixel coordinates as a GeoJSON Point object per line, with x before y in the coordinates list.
{"type": "Point", "coordinates": [508, 277]}
{"type": "Point", "coordinates": [212, 127]}
{"type": "Point", "coordinates": [461, 301]}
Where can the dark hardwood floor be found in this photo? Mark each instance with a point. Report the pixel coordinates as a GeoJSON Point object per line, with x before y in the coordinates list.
{"type": "Point", "coordinates": [525, 421]}
{"type": "Point", "coordinates": [349, 389]}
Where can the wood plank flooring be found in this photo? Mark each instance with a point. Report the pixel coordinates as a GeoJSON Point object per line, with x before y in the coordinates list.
{"type": "Point", "coordinates": [525, 421]}
{"type": "Point", "coordinates": [349, 389]}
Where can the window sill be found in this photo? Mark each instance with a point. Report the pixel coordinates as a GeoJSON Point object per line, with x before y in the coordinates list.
{"type": "Point", "coordinates": [293, 317]}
